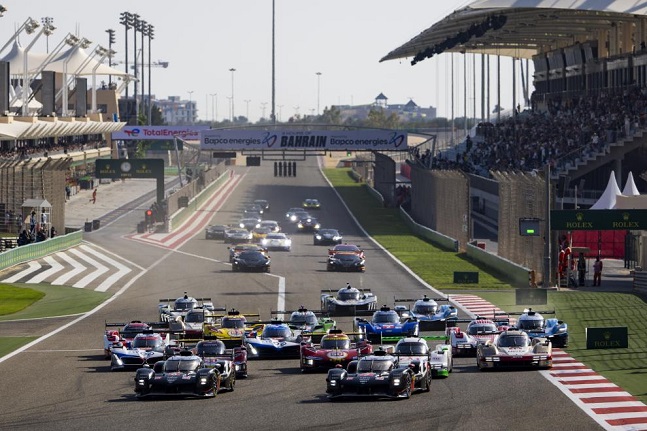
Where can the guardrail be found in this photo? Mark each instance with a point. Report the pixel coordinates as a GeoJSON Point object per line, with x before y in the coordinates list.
{"type": "Point", "coordinates": [518, 274]}
{"type": "Point", "coordinates": [437, 238]}
{"type": "Point", "coordinates": [37, 250]}
{"type": "Point", "coordinates": [640, 281]}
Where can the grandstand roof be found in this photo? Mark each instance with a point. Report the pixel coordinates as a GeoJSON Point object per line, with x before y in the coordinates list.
{"type": "Point", "coordinates": [519, 28]}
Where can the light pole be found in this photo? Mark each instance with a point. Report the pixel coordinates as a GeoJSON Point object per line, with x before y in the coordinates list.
{"type": "Point", "coordinates": [247, 112]}
{"type": "Point", "coordinates": [126, 19]}
{"type": "Point", "coordinates": [47, 21]}
{"type": "Point", "coordinates": [111, 41]}
{"type": "Point", "coordinates": [190, 107]}
{"type": "Point", "coordinates": [273, 115]}
{"type": "Point", "coordinates": [279, 116]}
{"type": "Point", "coordinates": [230, 115]}
{"type": "Point", "coordinates": [214, 107]}
{"type": "Point", "coordinates": [151, 33]}
{"type": "Point", "coordinates": [263, 108]}
{"type": "Point", "coordinates": [318, 91]}
{"type": "Point", "coordinates": [232, 70]}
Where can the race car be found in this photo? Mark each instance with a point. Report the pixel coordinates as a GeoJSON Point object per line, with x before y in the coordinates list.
{"type": "Point", "coordinates": [184, 374]}
{"type": "Point", "coordinates": [347, 248]}
{"type": "Point", "coordinates": [272, 224]}
{"type": "Point", "coordinates": [260, 232]}
{"type": "Point", "coordinates": [277, 241]}
{"type": "Point", "coordinates": [413, 352]}
{"type": "Point", "coordinates": [216, 231]}
{"type": "Point", "coordinates": [195, 320]}
{"type": "Point", "coordinates": [311, 204]}
{"type": "Point", "coordinates": [214, 353]}
{"type": "Point", "coordinates": [386, 326]}
{"type": "Point", "coordinates": [276, 341]}
{"type": "Point", "coordinates": [373, 375]}
{"type": "Point", "coordinates": [335, 348]}
{"type": "Point", "coordinates": [327, 237]}
{"type": "Point", "coordinates": [295, 214]}
{"type": "Point", "coordinates": [431, 316]}
{"type": "Point", "coordinates": [239, 248]}
{"type": "Point", "coordinates": [232, 328]}
{"type": "Point", "coordinates": [125, 335]}
{"type": "Point", "coordinates": [171, 310]}
{"type": "Point", "coordinates": [534, 324]}
{"type": "Point", "coordinates": [251, 260]}
{"type": "Point", "coordinates": [253, 209]}
{"type": "Point", "coordinates": [441, 360]}
{"type": "Point", "coordinates": [344, 261]}
{"type": "Point", "coordinates": [347, 301]}
{"type": "Point", "coordinates": [264, 204]}
{"type": "Point", "coordinates": [307, 322]}
{"type": "Point", "coordinates": [308, 224]}
{"type": "Point", "coordinates": [237, 235]}
{"type": "Point", "coordinates": [146, 348]}
{"type": "Point", "coordinates": [514, 349]}
{"type": "Point", "coordinates": [478, 332]}
{"type": "Point", "coordinates": [249, 223]}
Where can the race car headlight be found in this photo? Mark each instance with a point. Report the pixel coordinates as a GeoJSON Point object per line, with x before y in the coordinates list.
{"type": "Point", "coordinates": [317, 226]}
{"type": "Point", "coordinates": [264, 241]}
{"type": "Point", "coordinates": [336, 237]}
{"type": "Point", "coordinates": [140, 382]}
{"type": "Point", "coordinates": [237, 367]}
{"type": "Point", "coordinates": [242, 225]}
{"type": "Point", "coordinates": [310, 362]}
{"type": "Point", "coordinates": [293, 218]}
{"type": "Point", "coordinates": [318, 237]}
{"type": "Point", "coordinates": [333, 383]}
{"type": "Point", "coordinates": [396, 381]}
{"type": "Point", "coordinates": [203, 380]}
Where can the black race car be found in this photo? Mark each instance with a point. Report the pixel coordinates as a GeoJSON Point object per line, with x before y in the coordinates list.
{"type": "Point", "coordinates": [308, 224]}
{"type": "Point", "coordinates": [327, 237]}
{"type": "Point", "coordinates": [184, 374]}
{"type": "Point", "coordinates": [216, 231]}
{"type": "Point", "coordinates": [251, 260]}
{"type": "Point", "coordinates": [343, 261]}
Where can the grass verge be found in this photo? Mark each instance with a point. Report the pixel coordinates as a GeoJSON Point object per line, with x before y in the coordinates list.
{"type": "Point", "coordinates": [9, 344]}
{"type": "Point", "coordinates": [624, 367]}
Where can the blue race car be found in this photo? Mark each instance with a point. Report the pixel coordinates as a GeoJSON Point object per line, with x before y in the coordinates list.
{"type": "Point", "coordinates": [430, 315]}
{"type": "Point", "coordinates": [386, 326]}
{"type": "Point", "coordinates": [277, 341]}
{"type": "Point", "coordinates": [534, 324]}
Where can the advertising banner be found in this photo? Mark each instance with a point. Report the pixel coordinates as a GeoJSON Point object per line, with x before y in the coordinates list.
{"type": "Point", "coordinates": [326, 140]}
{"type": "Point", "coordinates": [157, 133]}
{"type": "Point", "coordinates": [614, 337]}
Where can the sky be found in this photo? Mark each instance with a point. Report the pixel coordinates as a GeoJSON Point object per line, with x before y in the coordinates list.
{"type": "Point", "coordinates": [327, 52]}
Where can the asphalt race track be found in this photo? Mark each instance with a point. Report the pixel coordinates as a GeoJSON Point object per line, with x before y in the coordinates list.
{"type": "Point", "coordinates": [63, 382]}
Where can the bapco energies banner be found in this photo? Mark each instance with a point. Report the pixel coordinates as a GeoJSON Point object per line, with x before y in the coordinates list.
{"type": "Point", "coordinates": [158, 133]}
{"type": "Point", "coordinates": [334, 140]}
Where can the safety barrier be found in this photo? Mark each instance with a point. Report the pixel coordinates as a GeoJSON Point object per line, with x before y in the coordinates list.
{"type": "Point", "coordinates": [517, 274]}
{"type": "Point", "coordinates": [37, 250]}
{"type": "Point", "coordinates": [640, 281]}
{"type": "Point", "coordinates": [435, 237]}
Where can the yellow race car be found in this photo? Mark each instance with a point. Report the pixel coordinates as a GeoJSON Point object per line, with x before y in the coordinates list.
{"type": "Point", "coordinates": [232, 328]}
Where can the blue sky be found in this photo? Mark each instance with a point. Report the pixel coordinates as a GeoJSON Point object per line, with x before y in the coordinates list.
{"type": "Point", "coordinates": [343, 40]}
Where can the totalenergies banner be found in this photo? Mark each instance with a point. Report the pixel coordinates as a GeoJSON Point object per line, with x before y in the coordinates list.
{"type": "Point", "coordinates": [328, 140]}
{"type": "Point", "coordinates": [158, 133]}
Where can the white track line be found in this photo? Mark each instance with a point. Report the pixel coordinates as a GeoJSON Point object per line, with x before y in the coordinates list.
{"type": "Point", "coordinates": [78, 269]}
{"type": "Point", "coordinates": [33, 267]}
{"type": "Point", "coordinates": [113, 278]}
{"type": "Point", "coordinates": [54, 268]}
{"type": "Point", "coordinates": [100, 269]}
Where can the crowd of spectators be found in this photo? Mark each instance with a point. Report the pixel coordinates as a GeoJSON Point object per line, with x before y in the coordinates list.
{"type": "Point", "coordinates": [566, 130]}
{"type": "Point", "coordinates": [40, 149]}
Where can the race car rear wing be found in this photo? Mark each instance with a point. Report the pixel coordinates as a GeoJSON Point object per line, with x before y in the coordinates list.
{"type": "Point", "coordinates": [174, 299]}
{"type": "Point", "coordinates": [337, 290]}
{"type": "Point", "coordinates": [396, 299]}
{"type": "Point", "coordinates": [158, 325]}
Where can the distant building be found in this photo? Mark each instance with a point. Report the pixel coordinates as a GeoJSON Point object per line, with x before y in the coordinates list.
{"type": "Point", "coordinates": [176, 111]}
{"type": "Point", "coordinates": [409, 111]}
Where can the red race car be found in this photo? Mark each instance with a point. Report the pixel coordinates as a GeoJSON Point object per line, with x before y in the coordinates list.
{"type": "Point", "coordinates": [334, 349]}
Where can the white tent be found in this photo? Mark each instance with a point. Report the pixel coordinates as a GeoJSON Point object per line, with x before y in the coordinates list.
{"type": "Point", "coordinates": [16, 59]}
{"type": "Point", "coordinates": [79, 63]}
{"type": "Point", "coordinates": [608, 199]}
{"type": "Point", "coordinates": [630, 187]}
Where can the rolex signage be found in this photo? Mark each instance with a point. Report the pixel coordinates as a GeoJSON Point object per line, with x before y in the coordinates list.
{"type": "Point", "coordinates": [129, 168]}
{"type": "Point", "coordinates": [598, 219]}
{"type": "Point", "coordinates": [614, 337]}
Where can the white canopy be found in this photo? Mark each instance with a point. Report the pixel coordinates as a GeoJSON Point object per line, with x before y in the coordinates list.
{"type": "Point", "coordinates": [608, 199]}
{"type": "Point", "coordinates": [630, 187]}
{"type": "Point", "coordinates": [16, 59]}
{"type": "Point", "coordinates": [76, 57]}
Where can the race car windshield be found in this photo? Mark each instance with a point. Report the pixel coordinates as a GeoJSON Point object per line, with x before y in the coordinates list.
{"type": "Point", "coordinates": [303, 319]}
{"type": "Point", "coordinates": [386, 317]}
{"type": "Point", "coordinates": [184, 366]}
{"type": "Point", "coordinates": [132, 332]}
{"type": "Point", "coordinates": [481, 329]}
{"type": "Point", "coordinates": [209, 349]}
{"type": "Point", "coordinates": [194, 318]}
{"type": "Point", "coordinates": [529, 325]}
{"type": "Point", "coordinates": [233, 323]}
{"type": "Point", "coordinates": [513, 341]}
{"type": "Point", "coordinates": [368, 365]}
{"type": "Point", "coordinates": [335, 343]}
{"type": "Point", "coordinates": [146, 342]}
{"type": "Point", "coordinates": [184, 305]}
{"type": "Point", "coordinates": [276, 332]}
{"type": "Point", "coordinates": [425, 308]}
{"type": "Point", "coordinates": [348, 295]}
{"type": "Point", "coordinates": [411, 348]}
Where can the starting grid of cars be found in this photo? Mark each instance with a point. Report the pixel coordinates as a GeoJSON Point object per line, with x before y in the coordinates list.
{"type": "Point", "coordinates": [199, 350]}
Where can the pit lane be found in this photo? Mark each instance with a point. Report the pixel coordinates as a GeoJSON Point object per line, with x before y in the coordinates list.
{"type": "Point", "coordinates": [63, 382]}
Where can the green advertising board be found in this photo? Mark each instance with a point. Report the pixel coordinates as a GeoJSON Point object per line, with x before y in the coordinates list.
{"type": "Point", "coordinates": [614, 337]}
{"type": "Point", "coordinates": [129, 168]}
{"type": "Point", "coordinates": [598, 220]}
{"type": "Point", "coordinates": [466, 277]}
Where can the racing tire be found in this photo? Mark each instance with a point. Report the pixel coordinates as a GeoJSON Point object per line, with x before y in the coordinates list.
{"type": "Point", "coordinates": [407, 391]}
{"type": "Point", "coordinates": [215, 385]}
{"type": "Point", "coordinates": [426, 382]}
{"type": "Point", "coordinates": [232, 383]}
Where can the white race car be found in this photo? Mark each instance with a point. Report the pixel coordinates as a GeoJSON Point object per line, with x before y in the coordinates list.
{"type": "Point", "coordinates": [514, 349]}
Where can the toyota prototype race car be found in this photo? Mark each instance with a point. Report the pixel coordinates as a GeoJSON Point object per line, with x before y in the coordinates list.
{"type": "Point", "coordinates": [534, 324]}
{"type": "Point", "coordinates": [124, 336]}
{"type": "Point", "coordinates": [429, 314]}
{"type": "Point", "coordinates": [413, 352]}
{"type": "Point", "coordinates": [276, 341]}
{"type": "Point", "coordinates": [215, 354]}
{"type": "Point", "coordinates": [183, 374]}
{"type": "Point", "coordinates": [307, 322]}
{"type": "Point", "coordinates": [334, 349]}
{"type": "Point", "coordinates": [347, 301]}
{"type": "Point", "coordinates": [514, 349]}
{"type": "Point", "coordinates": [385, 326]}
{"type": "Point", "coordinates": [146, 348]}
{"type": "Point", "coordinates": [232, 328]}
{"type": "Point", "coordinates": [479, 331]}
{"type": "Point", "coordinates": [374, 375]}
{"type": "Point", "coordinates": [170, 309]}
